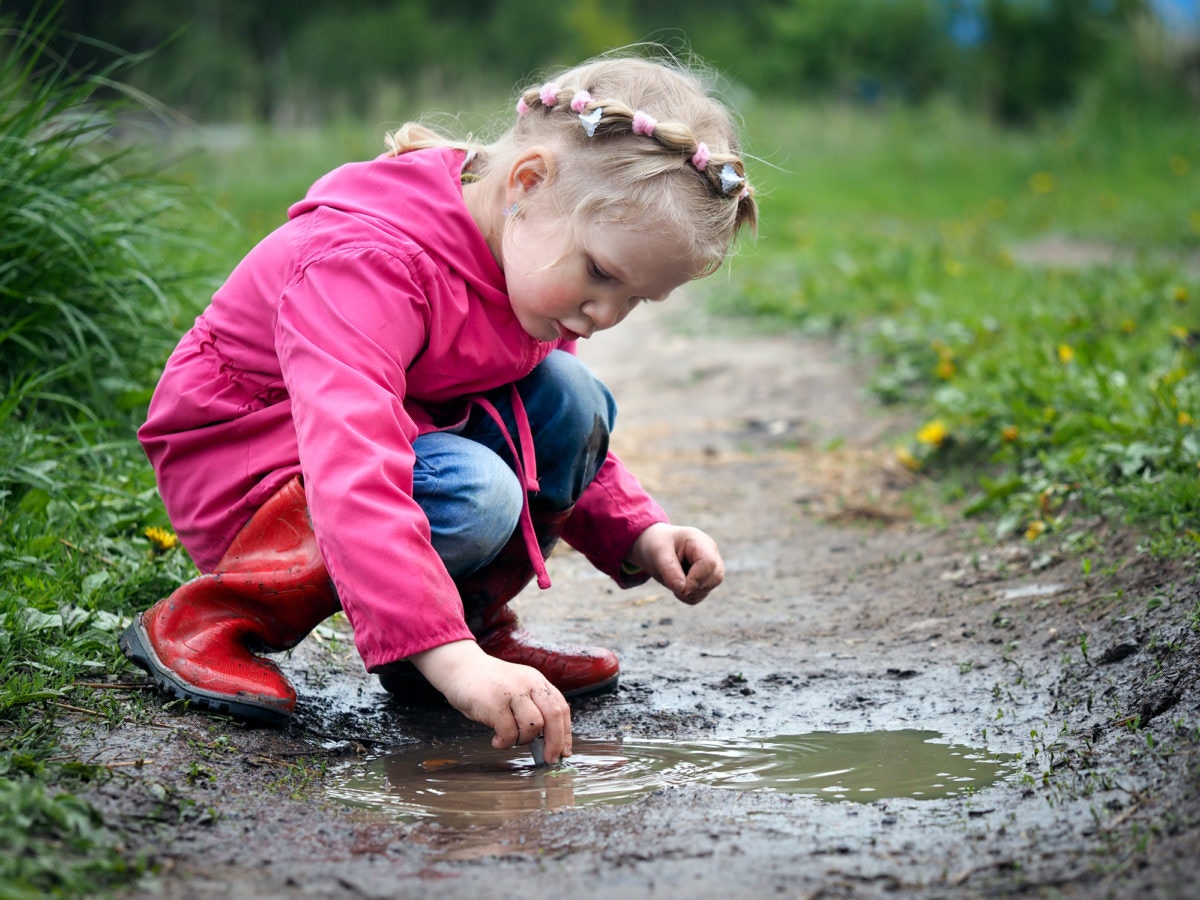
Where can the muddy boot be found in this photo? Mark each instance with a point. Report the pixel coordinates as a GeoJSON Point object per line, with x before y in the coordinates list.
{"type": "Point", "coordinates": [269, 590]}
{"type": "Point", "coordinates": [574, 670]}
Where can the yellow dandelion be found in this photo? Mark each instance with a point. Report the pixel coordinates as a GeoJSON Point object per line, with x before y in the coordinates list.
{"type": "Point", "coordinates": [1010, 433]}
{"type": "Point", "coordinates": [160, 538]}
{"type": "Point", "coordinates": [906, 459]}
{"type": "Point", "coordinates": [953, 268]}
{"type": "Point", "coordinates": [946, 368]}
{"type": "Point", "coordinates": [1194, 220]}
{"type": "Point", "coordinates": [997, 208]}
{"type": "Point", "coordinates": [1041, 183]}
{"type": "Point", "coordinates": [1179, 165]}
{"type": "Point", "coordinates": [1180, 293]}
{"type": "Point", "coordinates": [1066, 353]}
{"type": "Point", "coordinates": [1128, 326]}
{"type": "Point", "coordinates": [934, 434]}
{"type": "Point", "coordinates": [1180, 332]}
{"type": "Point", "coordinates": [1035, 530]}
{"type": "Point", "coordinates": [1184, 418]}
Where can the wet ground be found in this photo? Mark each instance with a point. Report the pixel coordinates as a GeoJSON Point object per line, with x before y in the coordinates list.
{"type": "Point", "coordinates": [869, 705]}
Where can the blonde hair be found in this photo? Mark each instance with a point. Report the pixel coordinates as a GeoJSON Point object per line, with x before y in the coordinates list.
{"type": "Point", "coordinates": [660, 146]}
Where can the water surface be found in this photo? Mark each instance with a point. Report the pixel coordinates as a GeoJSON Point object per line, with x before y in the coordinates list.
{"type": "Point", "coordinates": [468, 781]}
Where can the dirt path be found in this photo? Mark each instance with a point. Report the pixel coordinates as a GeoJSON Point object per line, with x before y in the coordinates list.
{"type": "Point", "coordinates": [840, 616]}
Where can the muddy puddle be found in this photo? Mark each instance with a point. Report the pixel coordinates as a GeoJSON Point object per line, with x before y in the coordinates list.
{"type": "Point", "coordinates": [469, 782]}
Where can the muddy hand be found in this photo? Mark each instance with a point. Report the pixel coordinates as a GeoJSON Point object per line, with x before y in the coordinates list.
{"type": "Point", "coordinates": [702, 568]}
{"type": "Point", "coordinates": [685, 560]}
{"type": "Point", "coordinates": [515, 701]}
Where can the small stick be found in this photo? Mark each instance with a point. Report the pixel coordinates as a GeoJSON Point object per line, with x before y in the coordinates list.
{"type": "Point", "coordinates": [107, 686]}
{"type": "Point", "coordinates": [100, 556]}
{"type": "Point", "coordinates": [78, 709]}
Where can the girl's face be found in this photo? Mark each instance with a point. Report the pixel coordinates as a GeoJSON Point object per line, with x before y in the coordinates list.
{"type": "Point", "coordinates": [569, 283]}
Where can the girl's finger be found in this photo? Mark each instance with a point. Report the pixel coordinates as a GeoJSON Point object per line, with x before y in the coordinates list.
{"type": "Point", "coordinates": [507, 732]}
{"type": "Point", "coordinates": [557, 718]}
{"type": "Point", "coordinates": [528, 718]}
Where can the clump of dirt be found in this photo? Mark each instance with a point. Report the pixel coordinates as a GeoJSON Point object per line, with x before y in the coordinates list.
{"type": "Point", "coordinates": [840, 614]}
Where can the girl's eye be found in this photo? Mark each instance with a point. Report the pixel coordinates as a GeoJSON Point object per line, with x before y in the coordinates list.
{"type": "Point", "coordinates": [598, 273]}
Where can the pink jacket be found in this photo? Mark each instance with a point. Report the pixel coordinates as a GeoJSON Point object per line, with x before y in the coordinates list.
{"type": "Point", "coordinates": [369, 318]}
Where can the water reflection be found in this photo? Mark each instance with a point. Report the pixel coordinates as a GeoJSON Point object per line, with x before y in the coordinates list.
{"type": "Point", "coordinates": [468, 782]}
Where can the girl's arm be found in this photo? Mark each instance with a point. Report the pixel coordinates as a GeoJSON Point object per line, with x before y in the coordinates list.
{"type": "Point", "coordinates": [612, 513]}
{"type": "Point", "coordinates": [346, 331]}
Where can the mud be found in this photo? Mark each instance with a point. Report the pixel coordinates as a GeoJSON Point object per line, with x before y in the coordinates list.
{"type": "Point", "coordinates": [841, 616]}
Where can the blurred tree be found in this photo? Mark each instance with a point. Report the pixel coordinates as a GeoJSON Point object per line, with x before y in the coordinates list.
{"type": "Point", "coordinates": [1036, 53]}
{"type": "Point", "coordinates": [853, 48]}
{"type": "Point", "coordinates": [301, 61]}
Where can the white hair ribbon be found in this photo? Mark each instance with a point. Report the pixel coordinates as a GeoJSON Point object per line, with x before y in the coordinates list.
{"type": "Point", "coordinates": [591, 120]}
{"type": "Point", "coordinates": [729, 178]}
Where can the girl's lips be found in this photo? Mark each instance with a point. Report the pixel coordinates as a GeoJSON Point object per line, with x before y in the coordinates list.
{"type": "Point", "coordinates": [566, 333]}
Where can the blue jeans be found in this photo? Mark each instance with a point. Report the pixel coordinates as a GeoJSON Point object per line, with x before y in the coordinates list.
{"type": "Point", "coordinates": [466, 481]}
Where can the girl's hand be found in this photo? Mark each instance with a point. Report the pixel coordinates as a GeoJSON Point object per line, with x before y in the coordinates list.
{"type": "Point", "coordinates": [516, 701]}
{"type": "Point", "coordinates": [685, 560]}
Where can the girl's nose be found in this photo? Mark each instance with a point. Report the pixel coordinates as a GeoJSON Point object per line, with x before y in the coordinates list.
{"type": "Point", "coordinates": [605, 313]}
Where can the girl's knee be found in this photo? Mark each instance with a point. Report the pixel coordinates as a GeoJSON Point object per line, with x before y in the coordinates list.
{"type": "Point", "coordinates": [471, 499]}
{"type": "Point", "coordinates": [583, 399]}
{"type": "Point", "coordinates": [485, 517]}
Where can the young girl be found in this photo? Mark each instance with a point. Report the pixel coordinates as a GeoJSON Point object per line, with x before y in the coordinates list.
{"type": "Point", "coordinates": [381, 410]}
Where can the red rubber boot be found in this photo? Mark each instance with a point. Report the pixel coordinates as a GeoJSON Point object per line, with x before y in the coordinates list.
{"type": "Point", "coordinates": [574, 670]}
{"type": "Point", "coordinates": [269, 590]}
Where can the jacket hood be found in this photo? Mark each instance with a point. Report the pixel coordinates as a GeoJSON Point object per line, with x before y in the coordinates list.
{"type": "Point", "coordinates": [418, 197]}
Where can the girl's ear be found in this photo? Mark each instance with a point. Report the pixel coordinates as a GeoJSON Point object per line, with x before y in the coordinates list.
{"type": "Point", "coordinates": [529, 171]}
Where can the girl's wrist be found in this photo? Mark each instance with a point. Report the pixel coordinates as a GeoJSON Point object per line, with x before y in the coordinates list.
{"type": "Point", "coordinates": [635, 560]}
{"type": "Point", "coordinates": [440, 664]}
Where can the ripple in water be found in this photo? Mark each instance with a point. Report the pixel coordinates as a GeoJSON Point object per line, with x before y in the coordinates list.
{"type": "Point", "coordinates": [469, 782]}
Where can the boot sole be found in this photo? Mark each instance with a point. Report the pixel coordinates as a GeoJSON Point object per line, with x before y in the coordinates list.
{"type": "Point", "coordinates": [602, 687]}
{"type": "Point", "coordinates": [136, 646]}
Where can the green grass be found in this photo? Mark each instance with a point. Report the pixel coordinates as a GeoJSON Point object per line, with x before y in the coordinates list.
{"type": "Point", "coordinates": [1045, 389]}
{"type": "Point", "coordinates": [93, 260]}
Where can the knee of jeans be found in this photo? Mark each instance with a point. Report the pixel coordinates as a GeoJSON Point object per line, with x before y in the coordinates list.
{"type": "Point", "coordinates": [586, 400]}
{"type": "Point", "coordinates": [486, 517]}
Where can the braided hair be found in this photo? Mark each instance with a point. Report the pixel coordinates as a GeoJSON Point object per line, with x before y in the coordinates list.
{"type": "Point", "coordinates": [638, 140]}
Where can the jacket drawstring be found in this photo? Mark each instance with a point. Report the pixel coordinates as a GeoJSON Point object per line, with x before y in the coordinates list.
{"type": "Point", "coordinates": [525, 462]}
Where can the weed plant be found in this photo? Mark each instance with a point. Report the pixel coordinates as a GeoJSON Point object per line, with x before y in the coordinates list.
{"type": "Point", "coordinates": [93, 256]}
{"type": "Point", "coordinates": [84, 233]}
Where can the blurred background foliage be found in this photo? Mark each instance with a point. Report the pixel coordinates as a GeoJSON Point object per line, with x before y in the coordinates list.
{"type": "Point", "coordinates": [304, 62]}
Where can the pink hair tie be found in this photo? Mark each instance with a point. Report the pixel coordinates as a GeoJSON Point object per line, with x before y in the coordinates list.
{"type": "Point", "coordinates": [580, 101]}
{"type": "Point", "coordinates": [644, 124]}
{"type": "Point", "coordinates": [522, 107]}
{"type": "Point", "coordinates": [745, 192]}
{"type": "Point", "coordinates": [700, 157]}
{"type": "Point", "coordinates": [549, 94]}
